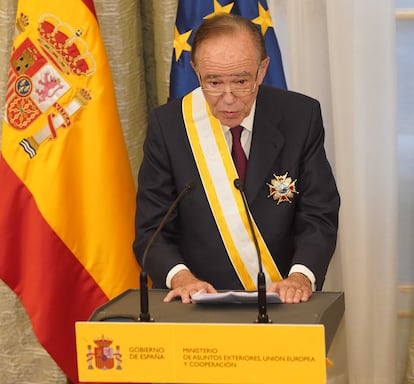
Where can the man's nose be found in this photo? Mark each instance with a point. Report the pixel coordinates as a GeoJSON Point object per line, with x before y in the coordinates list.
{"type": "Point", "coordinates": [228, 95]}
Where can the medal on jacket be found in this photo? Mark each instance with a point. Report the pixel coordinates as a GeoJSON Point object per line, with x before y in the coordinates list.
{"type": "Point", "coordinates": [282, 188]}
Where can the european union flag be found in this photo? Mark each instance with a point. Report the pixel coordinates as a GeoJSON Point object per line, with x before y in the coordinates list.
{"type": "Point", "coordinates": [190, 14]}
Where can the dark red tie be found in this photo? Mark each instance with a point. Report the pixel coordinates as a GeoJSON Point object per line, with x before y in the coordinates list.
{"type": "Point", "coordinates": [237, 152]}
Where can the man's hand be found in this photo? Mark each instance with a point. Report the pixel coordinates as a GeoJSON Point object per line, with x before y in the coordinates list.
{"type": "Point", "coordinates": [294, 289]}
{"type": "Point", "coordinates": [184, 284]}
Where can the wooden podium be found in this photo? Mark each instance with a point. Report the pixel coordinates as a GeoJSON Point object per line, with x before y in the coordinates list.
{"type": "Point", "coordinates": [208, 343]}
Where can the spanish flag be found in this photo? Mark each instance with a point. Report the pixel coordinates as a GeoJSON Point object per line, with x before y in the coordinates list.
{"type": "Point", "coordinates": [67, 195]}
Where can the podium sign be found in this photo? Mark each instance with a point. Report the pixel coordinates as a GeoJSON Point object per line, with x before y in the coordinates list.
{"type": "Point", "coordinates": [200, 353]}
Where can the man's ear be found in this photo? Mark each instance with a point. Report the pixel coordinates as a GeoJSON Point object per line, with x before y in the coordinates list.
{"type": "Point", "coordinates": [263, 69]}
{"type": "Point", "coordinates": [193, 65]}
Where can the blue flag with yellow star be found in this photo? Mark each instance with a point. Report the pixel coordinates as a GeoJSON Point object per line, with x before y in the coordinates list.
{"type": "Point", "coordinates": [190, 14]}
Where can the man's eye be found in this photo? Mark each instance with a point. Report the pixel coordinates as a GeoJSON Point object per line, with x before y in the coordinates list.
{"type": "Point", "coordinates": [243, 81]}
{"type": "Point", "coordinates": [214, 84]}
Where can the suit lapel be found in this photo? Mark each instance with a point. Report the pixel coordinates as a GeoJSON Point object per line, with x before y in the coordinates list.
{"type": "Point", "coordinates": [267, 142]}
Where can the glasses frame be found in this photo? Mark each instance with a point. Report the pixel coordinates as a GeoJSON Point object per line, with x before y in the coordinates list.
{"type": "Point", "coordinates": [244, 92]}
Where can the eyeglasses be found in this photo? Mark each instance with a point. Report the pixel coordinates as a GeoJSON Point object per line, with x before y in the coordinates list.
{"type": "Point", "coordinates": [242, 85]}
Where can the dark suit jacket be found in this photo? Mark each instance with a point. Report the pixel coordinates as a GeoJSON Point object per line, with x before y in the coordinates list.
{"type": "Point", "coordinates": [288, 136]}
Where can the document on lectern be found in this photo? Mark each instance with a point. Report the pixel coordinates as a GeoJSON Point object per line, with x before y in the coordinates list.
{"type": "Point", "coordinates": [233, 297]}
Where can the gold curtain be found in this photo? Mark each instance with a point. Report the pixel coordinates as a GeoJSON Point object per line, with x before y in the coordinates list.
{"type": "Point", "coordinates": [138, 38]}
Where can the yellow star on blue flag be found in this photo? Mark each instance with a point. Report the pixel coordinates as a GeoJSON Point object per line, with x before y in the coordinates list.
{"type": "Point", "coordinates": [191, 13]}
{"type": "Point", "coordinates": [264, 19]}
{"type": "Point", "coordinates": [181, 43]}
{"type": "Point", "coordinates": [218, 8]}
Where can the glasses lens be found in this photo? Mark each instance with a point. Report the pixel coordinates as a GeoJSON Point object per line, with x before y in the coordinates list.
{"type": "Point", "coordinates": [241, 86]}
{"type": "Point", "coordinates": [234, 91]}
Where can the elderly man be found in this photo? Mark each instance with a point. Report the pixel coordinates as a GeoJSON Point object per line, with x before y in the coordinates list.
{"type": "Point", "coordinates": [234, 128]}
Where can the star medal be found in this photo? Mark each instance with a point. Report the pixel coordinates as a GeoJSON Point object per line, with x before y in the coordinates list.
{"type": "Point", "coordinates": [282, 188]}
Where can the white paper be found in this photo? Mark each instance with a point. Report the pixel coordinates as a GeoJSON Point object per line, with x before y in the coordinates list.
{"type": "Point", "coordinates": [233, 297]}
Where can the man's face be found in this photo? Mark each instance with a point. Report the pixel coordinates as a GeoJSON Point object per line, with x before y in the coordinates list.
{"type": "Point", "coordinates": [230, 63]}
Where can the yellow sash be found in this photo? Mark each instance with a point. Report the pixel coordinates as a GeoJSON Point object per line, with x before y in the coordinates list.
{"type": "Point", "coordinates": [217, 173]}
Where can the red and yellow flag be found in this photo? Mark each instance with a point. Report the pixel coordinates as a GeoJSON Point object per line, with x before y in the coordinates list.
{"type": "Point", "coordinates": [67, 196]}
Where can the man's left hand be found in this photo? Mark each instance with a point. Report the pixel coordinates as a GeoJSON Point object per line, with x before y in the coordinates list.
{"type": "Point", "coordinates": [294, 289]}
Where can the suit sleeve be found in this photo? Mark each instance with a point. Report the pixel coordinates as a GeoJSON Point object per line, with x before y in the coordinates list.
{"type": "Point", "coordinates": [316, 219]}
{"type": "Point", "coordinates": [156, 193]}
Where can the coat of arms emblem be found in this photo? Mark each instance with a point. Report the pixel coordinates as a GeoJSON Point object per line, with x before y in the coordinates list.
{"type": "Point", "coordinates": [43, 88]}
{"type": "Point", "coordinates": [105, 356]}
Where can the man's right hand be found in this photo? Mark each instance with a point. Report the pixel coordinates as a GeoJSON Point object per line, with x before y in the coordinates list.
{"type": "Point", "coordinates": [184, 284]}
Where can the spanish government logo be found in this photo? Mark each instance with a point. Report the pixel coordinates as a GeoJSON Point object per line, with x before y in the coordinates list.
{"type": "Point", "coordinates": [103, 355]}
{"type": "Point", "coordinates": [282, 188]}
{"type": "Point", "coordinates": [46, 65]}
